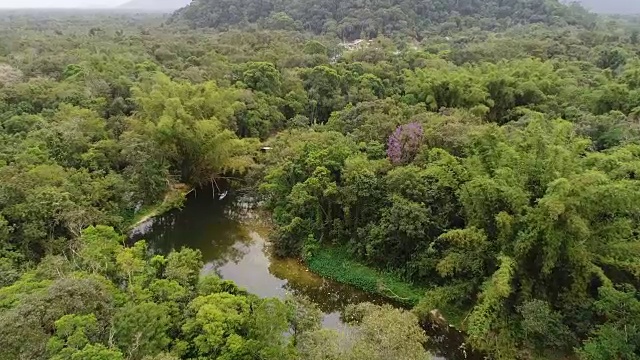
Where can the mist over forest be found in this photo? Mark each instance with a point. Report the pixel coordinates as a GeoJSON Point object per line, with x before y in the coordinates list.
{"type": "Point", "coordinates": [612, 6]}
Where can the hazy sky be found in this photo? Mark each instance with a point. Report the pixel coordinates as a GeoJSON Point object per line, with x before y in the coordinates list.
{"type": "Point", "coordinates": [58, 3]}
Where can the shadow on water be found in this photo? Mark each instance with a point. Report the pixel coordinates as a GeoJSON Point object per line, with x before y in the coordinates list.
{"type": "Point", "coordinates": [232, 241]}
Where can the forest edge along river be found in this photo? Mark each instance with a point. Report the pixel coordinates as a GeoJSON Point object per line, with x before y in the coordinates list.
{"type": "Point", "coordinates": [233, 240]}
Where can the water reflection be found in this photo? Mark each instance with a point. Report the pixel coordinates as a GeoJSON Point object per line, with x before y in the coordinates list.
{"type": "Point", "coordinates": [237, 251]}
{"type": "Point", "coordinates": [233, 246]}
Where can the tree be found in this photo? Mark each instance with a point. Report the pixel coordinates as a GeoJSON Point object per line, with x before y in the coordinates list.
{"type": "Point", "coordinates": [404, 143]}
{"type": "Point", "coordinates": [511, 205]}
{"type": "Point", "coordinates": [322, 84]}
{"type": "Point", "coordinates": [619, 336]}
{"type": "Point", "coordinates": [98, 248]}
{"type": "Point", "coordinates": [304, 316]}
{"type": "Point", "coordinates": [73, 334]}
{"type": "Point", "coordinates": [184, 267]}
{"type": "Point", "coordinates": [262, 76]}
{"type": "Point", "coordinates": [26, 327]}
{"type": "Point", "coordinates": [9, 75]}
{"type": "Point", "coordinates": [215, 322]}
{"type": "Point", "coordinates": [189, 130]}
{"type": "Point", "coordinates": [379, 332]}
{"type": "Point", "coordinates": [141, 329]}
{"type": "Point", "coordinates": [404, 340]}
{"type": "Point", "coordinates": [97, 352]}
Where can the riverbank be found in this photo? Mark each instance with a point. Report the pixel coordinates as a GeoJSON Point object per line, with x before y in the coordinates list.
{"type": "Point", "coordinates": [334, 263]}
{"type": "Point", "coordinates": [232, 237]}
{"type": "Point", "coordinates": [173, 199]}
{"type": "Point", "coordinates": [444, 338]}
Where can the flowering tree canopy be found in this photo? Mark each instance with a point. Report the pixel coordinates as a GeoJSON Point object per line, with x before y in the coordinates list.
{"type": "Point", "coordinates": [404, 143]}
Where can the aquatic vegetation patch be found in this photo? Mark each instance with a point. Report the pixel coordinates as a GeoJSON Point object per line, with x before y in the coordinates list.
{"type": "Point", "coordinates": [334, 263]}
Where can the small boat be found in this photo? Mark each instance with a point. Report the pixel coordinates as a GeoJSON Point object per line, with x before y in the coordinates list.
{"type": "Point", "coordinates": [223, 195]}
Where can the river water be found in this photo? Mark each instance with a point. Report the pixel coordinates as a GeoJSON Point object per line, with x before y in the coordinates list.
{"type": "Point", "coordinates": [232, 240]}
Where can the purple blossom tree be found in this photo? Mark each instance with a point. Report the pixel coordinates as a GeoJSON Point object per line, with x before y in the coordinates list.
{"type": "Point", "coordinates": [404, 143]}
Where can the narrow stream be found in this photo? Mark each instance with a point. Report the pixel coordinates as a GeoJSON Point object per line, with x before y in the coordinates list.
{"type": "Point", "coordinates": [233, 244]}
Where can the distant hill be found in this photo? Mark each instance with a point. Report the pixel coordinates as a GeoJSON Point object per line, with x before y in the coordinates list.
{"type": "Point", "coordinates": [353, 19]}
{"type": "Point", "coordinates": [155, 5]}
{"type": "Point", "coordinates": [612, 6]}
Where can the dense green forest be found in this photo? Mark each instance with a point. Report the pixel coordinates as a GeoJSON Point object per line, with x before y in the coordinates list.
{"type": "Point", "coordinates": [354, 19]}
{"type": "Point", "coordinates": [476, 157]}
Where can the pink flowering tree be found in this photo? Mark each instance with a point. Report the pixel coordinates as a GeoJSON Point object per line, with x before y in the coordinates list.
{"type": "Point", "coordinates": [404, 143]}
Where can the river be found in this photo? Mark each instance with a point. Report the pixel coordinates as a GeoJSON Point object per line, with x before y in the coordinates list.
{"type": "Point", "coordinates": [232, 240]}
